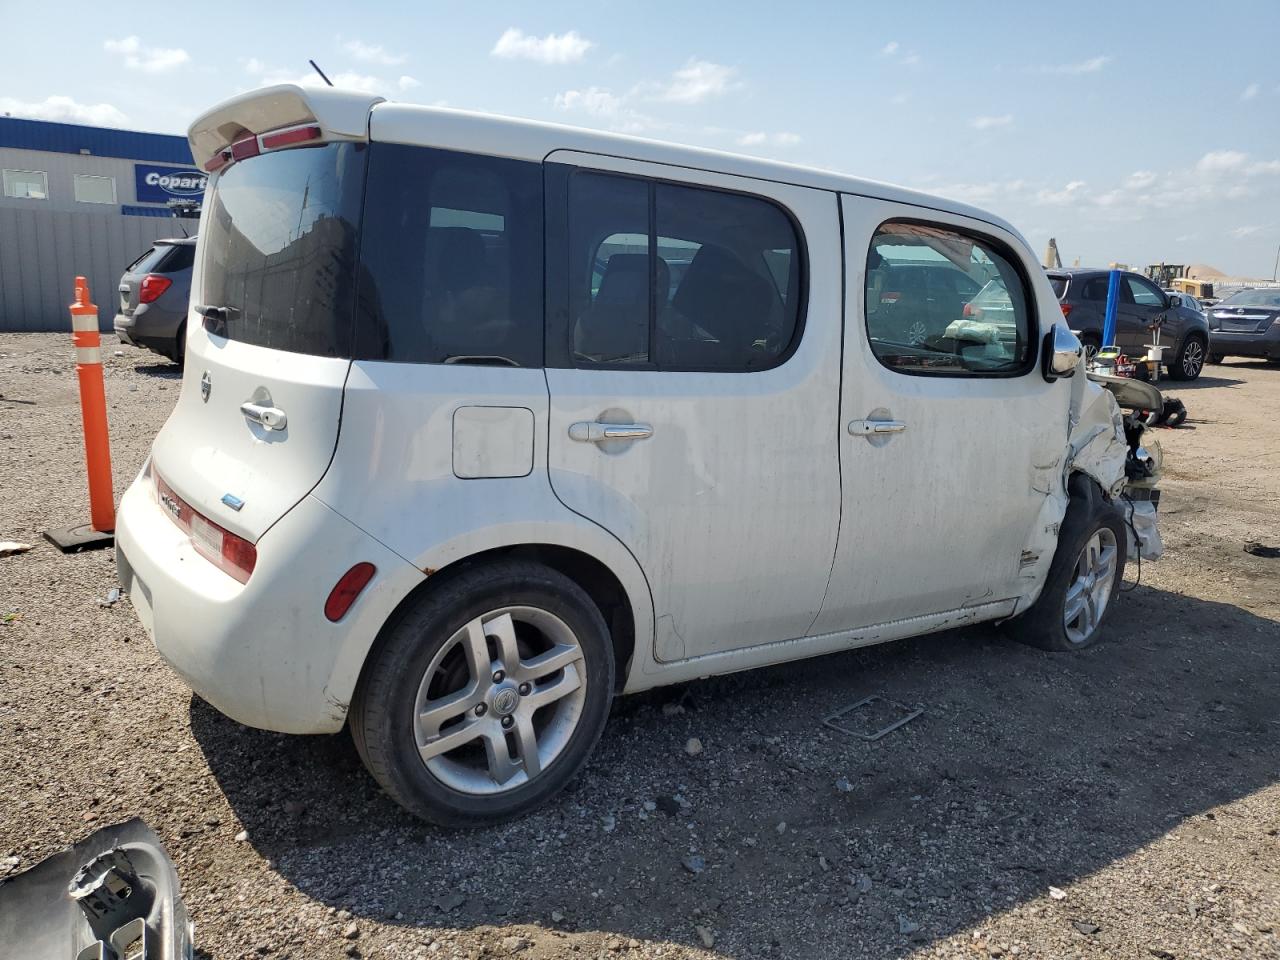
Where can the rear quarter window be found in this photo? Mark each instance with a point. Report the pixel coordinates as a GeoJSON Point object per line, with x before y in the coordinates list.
{"type": "Point", "coordinates": [1059, 285]}
{"type": "Point", "coordinates": [452, 259]}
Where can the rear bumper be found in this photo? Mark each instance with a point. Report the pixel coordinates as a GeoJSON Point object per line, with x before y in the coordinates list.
{"type": "Point", "coordinates": [1253, 344]}
{"type": "Point", "coordinates": [263, 652]}
{"type": "Point", "coordinates": [149, 325]}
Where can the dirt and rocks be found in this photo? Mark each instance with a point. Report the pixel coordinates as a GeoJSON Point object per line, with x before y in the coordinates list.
{"type": "Point", "coordinates": [1123, 802]}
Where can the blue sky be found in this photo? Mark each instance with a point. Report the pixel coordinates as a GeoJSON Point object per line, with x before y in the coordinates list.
{"type": "Point", "coordinates": [1130, 131]}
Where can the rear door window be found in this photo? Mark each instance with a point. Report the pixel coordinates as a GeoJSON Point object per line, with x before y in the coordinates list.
{"type": "Point", "coordinates": [451, 259]}
{"type": "Point", "coordinates": [673, 277]}
{"type": "Point", "coordinates": [1144, 294]}
{"type": "Point", "coordinates": [279, 248]}
{"type": "Point", "coordinates": [179, 256]}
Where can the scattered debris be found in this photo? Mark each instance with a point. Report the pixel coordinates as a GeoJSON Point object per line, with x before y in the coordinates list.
{"type": "Point", "coordinates": [1251, 547]}
{"type": "Point", "coordinates": [9, 548]}
{"type": "Point", "coordinates": [844, 786]}
{"type": "Point", "coordinates": [693, 747]}
{"type": "Point", "coordinates": [1088, 929]}
{"type": "Point", "coordinates": [351, 931]}
{"type": "Point", "coordinates": [1160, 953]}
{"type": "Point", "coordinates": [672, 709]}
{"type": "Point", "coordinates": [907, 926]}
{"type": "Point", "coordinates": [609, 823]}
{"type": "Point", "coordinates": [705, 935]}
{"type": "Point", "coordinates": [837, 720]}
{"type": "Point", "coordinates": [514, 944]}
{"type": "Point", "coordinates": [451, 902]}
{"type": "Point", "coordinates": [111, 599]}
{"type": "Point", "coordinates": [89, 900]}
{"type": "Point", "coordinates": [694, 864]}
{"type": "Point", "coordinates": [1057, 893]}
{"type": "Point", "coordinates": [242, 836]}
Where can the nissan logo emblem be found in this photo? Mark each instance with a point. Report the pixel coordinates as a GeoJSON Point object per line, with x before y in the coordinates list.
{"type": "Point", "coordinates": [206, 385]}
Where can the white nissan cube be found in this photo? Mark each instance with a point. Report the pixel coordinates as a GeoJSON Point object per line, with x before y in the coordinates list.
{"type": "Point", "coordinates": [487, 421]}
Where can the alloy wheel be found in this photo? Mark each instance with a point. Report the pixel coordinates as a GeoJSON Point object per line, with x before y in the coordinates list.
{"type": "Point", "coordinates": [1090, 590]}
{"type": "Point", "coordinates": [500, 700]}
{"type": "Point", "coordinates": [1192, 359]}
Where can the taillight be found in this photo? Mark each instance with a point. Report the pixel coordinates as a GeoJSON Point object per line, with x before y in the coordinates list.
{"type": "Point", "coordinates": [345, 591]}
{"type": "Point", "coordinates": [1066, 309]}
{"type": "Point", "coordinates": [243, 149]}
{"type": "Point", "coordinates": [286, 138]}
{"type": "Point", "coordinates": [152, 286]}
{"type": "Point", "coordinates": [234, 556]}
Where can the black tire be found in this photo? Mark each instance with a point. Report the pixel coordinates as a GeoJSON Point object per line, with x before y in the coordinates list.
{"type": "Point", "coordinates": [382, 716]}
{"type": "Point", "coordinates": [1091, 343]}
{"type": "Point", "coordinates": [180, 345]}
{"type": "Point", "coordinates": [1189, 361]}
{"type": "Point", "coordinates": [1043, 625]}
{"type": "Point", "coordinates": [1216, 358]}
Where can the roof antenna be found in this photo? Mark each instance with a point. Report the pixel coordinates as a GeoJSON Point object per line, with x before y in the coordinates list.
{"type": "Point", "coordinates": [321, 72]}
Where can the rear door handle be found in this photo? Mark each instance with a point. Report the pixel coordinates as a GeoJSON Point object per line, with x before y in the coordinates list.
{"type": "Point", "coordinates": [595, 432]}
{"type": "Point", "coordinates": [273, 418]}
{"type": "Point", "coordinates": [872, 428]}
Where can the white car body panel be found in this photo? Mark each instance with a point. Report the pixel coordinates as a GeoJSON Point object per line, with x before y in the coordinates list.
{"type": "Point", "coordinates": [738, 531]}
{"type": "Point", "coordinates": [732, 504]}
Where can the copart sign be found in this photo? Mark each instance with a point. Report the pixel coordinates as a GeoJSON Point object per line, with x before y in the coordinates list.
{"type": "Point", "coordinates": [162, 184]}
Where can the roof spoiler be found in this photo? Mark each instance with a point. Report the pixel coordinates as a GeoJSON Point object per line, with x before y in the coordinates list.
{"type": "Point", "coordinates": [340, 114]}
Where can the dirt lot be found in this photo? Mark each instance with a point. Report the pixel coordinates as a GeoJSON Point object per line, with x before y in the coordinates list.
{"type": "Point", "coordinates": [1123, 802]}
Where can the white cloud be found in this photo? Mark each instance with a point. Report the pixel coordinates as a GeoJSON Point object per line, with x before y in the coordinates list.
{"type": "Point", "coordinates": [65, 110]}
{"type": "Point", "coordinates": [146, 59]}
{"type": "Point", "coordinates": [986, 123]}
{"type": "Point", "coordinates": [890, 48]}
{"type": "Point", "coordinates": [1241, 232]}
{"type": "Point", "coordinates": [255, 66]}
{"type": "Point", "coordinates": [347, 80]}
{"type": "Point", "coordinates": [607, 106]}
{"type": "Point", "coordinates": [696, 81]}
{"type": "Point", "coordinates": [1221, 161]}
{"type": "Point", "coordinates": [1140, 179]}
{"type": "Point", "coordinates": [370, 53]}
{"type": "Point", "coordinates": [911, 59]}
{"type": "Point", "coordinates": [515, 44]}
{"type": "Point", "coordinates": [408, 83]}
{"type": "Point", "coordinates": [1092, 65]}
{"type": "Point", "coordinates": [1072, 191]}
{"type": "Point", "coordinates": [759, 138]}
{"type": "Point", "coordinates": [1250, 92]}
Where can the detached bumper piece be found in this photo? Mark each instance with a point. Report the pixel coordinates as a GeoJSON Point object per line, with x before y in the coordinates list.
{"type": "Point", "coordinates": [112, 896]}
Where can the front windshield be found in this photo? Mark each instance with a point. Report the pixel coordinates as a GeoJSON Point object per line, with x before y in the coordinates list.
{"type": "Point", "coordinates": [1254, 298]}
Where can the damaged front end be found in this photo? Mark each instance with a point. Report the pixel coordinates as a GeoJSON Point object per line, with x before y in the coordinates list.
{"type": "Point", "coordinates": [112, 896]}
{"type": "Point", "coordinates": [1109, 443]}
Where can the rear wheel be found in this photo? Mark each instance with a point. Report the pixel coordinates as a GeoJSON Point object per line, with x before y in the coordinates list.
{"type": "Point", "coordinates": [180, 345]}
{"type": "Point", "coordinates": [1087, 567]}
{"type": "Point", "coordinates": [1189, 361]}
{"type": "Point", "coordinates": [1216, 358]}
{"type": "Point", "coordinates": [486, 696]}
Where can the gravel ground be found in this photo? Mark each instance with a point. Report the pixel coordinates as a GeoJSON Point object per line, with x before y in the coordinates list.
{"type": "Point", "coordinates": [1122, 802]}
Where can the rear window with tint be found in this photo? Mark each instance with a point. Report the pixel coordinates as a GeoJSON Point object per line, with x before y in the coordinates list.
{"type": "Point", "coordinates": [452, 262]}
{"type": "Point", "coordinates": [1059, 285]}
{"type": "Point", "coordinates": [147, 262]}
{"type": "Point", "coordinates": [178, 257]}
{"type": "Point", "coordinates": [280, 248]}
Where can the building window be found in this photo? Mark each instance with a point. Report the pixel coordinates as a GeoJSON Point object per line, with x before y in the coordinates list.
{"type": "Point", "coordinates": [90, 189]}
{"type": "Point", "coordinates": [26, 184]}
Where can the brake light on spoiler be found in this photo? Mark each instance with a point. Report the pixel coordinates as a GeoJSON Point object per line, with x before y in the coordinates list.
{"type": "Point", "coordinates": [253, 145]}
{"type": "Point", "coordinates": [234, 556]}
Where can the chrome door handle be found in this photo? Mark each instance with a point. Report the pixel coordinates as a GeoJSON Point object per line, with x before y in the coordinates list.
{"type": "Point", "coordinates": [594, 432]}
{"type": "Point", "coordinates": [872, 428]}
{"type": "Point", "coordinates": [273, 418]}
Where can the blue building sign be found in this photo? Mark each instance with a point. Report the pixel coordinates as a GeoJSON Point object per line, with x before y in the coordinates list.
{"type": "Point", "coordinates": [162, 184]}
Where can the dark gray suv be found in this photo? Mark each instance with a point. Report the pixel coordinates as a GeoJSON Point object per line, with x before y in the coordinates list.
{"type": "Point", "coordinates": [1184, 331]}
{"type": "Point", "coordinates": [154, 293]}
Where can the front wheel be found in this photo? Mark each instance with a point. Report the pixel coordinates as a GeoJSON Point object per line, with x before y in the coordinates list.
{"type": "Point", "coordinates": [1087, 568]}
{"type": "Point", "coordinates": [1189, 361]}
{"type": "Point", "coordinates": [485, 697]}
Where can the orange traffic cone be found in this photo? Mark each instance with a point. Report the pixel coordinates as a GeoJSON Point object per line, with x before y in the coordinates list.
{"type": "Point", "coordinates": [97, 446]}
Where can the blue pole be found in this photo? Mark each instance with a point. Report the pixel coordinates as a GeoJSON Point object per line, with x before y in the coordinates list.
{"type": "Point", "coordinates": [1113, 299]}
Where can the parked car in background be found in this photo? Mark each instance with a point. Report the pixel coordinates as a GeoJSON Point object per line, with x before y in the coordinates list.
{"type": "Point", "coordinates": [1246, 324]}
{"type": "Point", "coordinates": [154, 294]}
{"type": "Point", "coordinates": [1184, 331]}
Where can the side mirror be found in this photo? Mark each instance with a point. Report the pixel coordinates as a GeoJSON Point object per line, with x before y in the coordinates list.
{"type": "Point", "coordinates": [1174, 301]}
{"type": "Point", "coordinates": [1062, 353]}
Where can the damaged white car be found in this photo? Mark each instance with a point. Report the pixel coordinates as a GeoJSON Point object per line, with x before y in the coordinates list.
{"type": "Point", "coordinates": [484, 422]}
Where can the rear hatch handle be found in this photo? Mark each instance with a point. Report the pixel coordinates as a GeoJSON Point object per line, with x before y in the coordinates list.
{"type": "Point", "coordinates": [215, 318]}
{"type": "Point", "coordinates": [262, 413]}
